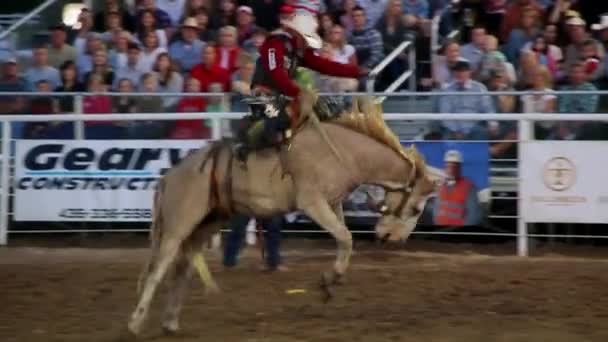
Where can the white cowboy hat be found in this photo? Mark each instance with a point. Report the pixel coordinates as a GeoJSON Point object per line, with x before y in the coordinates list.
{"type": "Point", "coordinates": [603, 24]}
{"type": "Point", "coordinates": [304, 21]}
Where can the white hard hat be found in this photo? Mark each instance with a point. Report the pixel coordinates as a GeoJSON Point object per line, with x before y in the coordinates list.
{"type": "Point", "coordinates": [452, 156]}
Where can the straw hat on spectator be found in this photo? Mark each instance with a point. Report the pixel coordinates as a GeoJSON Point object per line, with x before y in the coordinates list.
{"type": "Point", "coordinates": [602, 25]}
{"type": "Point", "coordinates": [304, 21]}
{"type": "Point", "coordinates": [576, 21]}
{"type": "Point", "coordinates": [190, 22]}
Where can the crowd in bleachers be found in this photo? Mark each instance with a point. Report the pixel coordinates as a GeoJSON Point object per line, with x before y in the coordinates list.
{"type": "Point", "coordinates": [167, 46]}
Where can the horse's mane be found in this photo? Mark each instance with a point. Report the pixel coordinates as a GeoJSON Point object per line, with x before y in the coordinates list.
{"type": "Point", "coordinates": [366, 117]}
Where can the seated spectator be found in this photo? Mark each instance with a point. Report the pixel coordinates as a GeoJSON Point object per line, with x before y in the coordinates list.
{"type": "Point", "coordinates": [148, 24]}
{"type": "Point", "coordinates": [39, 105]}
{"type": "Point", "coordinates": [191, 129]}
{"type": "Point", "coordinates": [241, 82]}
{"type": "Point", "coordinates": [346, 18]}
{"type": "Point", "coordinates": [228, 49]}
{"type": "Point", "coordinates": [161, 18]}
{"type": "Point", "coordinates": [124, 104]}
{"type": "Point", "coordinates": [550, 48]}
{"type": "Point", "coordinates": [545, 103]}
{"type": "Point", "coordinates": [69, 83]}
{"type": "Point", "coordinates": [169, 80]}
{"type": "Point", "coordinates": [132, 70]}
{"type": "Point", "coordinates": [474, 51]}
{"type": "Point", "coordinates": [367, 41]}
{"type": "Point", "coordinates": [102, 68]}
{"type": "Point", "coordinates": [225, 14]}
{"type": "Point", "coordinates": [494, 10]}
{"type": "Point", "coordinates": [503, 134]}
{"type": "Point", "coordinates": [150, 52]}
{"type": "Point", "coordinates": [442, 69]}
{"type": "Point", "coordinates": [174, 8]}
{"type": "Point", "coordinates": [576, 103]}
{"type": "Point", "coordinates": [578, 35]}
{"type": "Point", "coordinates": [118, 54]}
{"type": "Point", "coordinates": [373, 10]}
{"type": "Point", "coordinates": [11, 81]}
{"type": "Point", "coordinates": [112, 28]}
{"type": "Point", "coordinates": [209, 70]}
{"type": "Point", "coordinates": [592, 60]}
{"type": "Point", "coordinates": [84, 61]}
{"type": "Point", "coordinates": [457, 203]}
{"type": "Point", "coordinates": [329, 84]}
{"type": "Point", "coordinates": [499, 81]}
{"type": "Point", "coordinates": [342, 52]}
{"type": "Point", "coordinates": [85, 32]}
{"type": "Point", "coordinates": [111, 7]}
{"type": "Point", "coordinates": [527, 67]}
{"type": "Point", "coordinates": [493, 60]}
{"type": "Point", "coordinates": [464, 104]}
{"type": "Point", "coordinates": [41, 70]}
{"type": "Point", "coordinates": [544, 53]}
{"type": "Point", "coordinates": [245, 24]}
{"type": "Point", "coordinates": [148, 129]}
{"type": "Point", "coordinates": [524, 33]}
{"type": "Point", "coordinates": [188, 50]}
{"type": "Point", "coordinates": [253, 44]}
{"type": "Point", "coordinates": [393, 30]}
{"type": "Point", "coordinates": [326, 22]}
{"type": "Point", "coordinates": [192, 6]}
{"type": "Point", "coordinates": [513, 14]}
{"type": "Point", "coordinates": [59, 50]}
{"type": "Point", "coordinates": [99, 103]}
{"type": "Point", "coordinates": [206, 33]}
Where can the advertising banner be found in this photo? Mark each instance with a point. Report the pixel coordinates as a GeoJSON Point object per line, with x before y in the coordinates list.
{"type": "Point", "coordinates": [91, 180]}
{"type": "Point", "coordinates": [561, 181]}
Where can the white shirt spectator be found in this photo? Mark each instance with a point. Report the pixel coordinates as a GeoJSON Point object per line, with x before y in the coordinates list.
{"type": "Point", "coordinates": [343, 55]}
{"type": "Point", "coordinates": [162, 39]}
{"type": "Point", "coordinates": [147, 59]}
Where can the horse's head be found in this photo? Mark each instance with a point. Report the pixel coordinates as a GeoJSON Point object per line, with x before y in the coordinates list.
{"type": "Point", "coordinates": [403, 204]}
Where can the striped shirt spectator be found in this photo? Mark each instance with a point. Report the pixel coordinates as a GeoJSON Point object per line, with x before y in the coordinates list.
{"type": "Point", "coordinates": [367, 41]}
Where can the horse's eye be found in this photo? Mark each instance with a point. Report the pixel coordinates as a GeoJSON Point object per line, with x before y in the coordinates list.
{"type": "Point", "coordinates": [415, 211]}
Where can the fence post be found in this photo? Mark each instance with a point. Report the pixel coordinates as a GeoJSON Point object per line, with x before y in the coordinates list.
{"type": "Point", "coordinates": [5, 177]}
{"type": "Point", "coordinates": [79, 124]}
{"type": "Point", "coordinates": [526, 133]}
{"type": "Point", "coordinates": [216, 134]}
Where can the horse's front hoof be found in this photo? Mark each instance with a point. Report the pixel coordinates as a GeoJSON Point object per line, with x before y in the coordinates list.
{"type": "Point", "coordinates": [327, 281]}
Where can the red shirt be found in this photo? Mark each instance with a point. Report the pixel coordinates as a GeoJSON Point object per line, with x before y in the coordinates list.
{"type": "Point", "coordinates": [272, 54]}
{"type": "Point", "coordinates": [190, 129]}
{"type": "Point", "coordinates": [97, 104]}
{"type": "Point", "coordinates": [227, 57]}
{"type": "Point", "coordinates": [206, 76]}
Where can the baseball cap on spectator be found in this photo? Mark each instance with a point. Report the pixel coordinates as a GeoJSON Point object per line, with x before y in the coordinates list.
{"type": "Point", "coordinates": [602, 25]}
{"type": "Point", "coordinates": [462, 65]}
{"type": "Point", "coordinates": [10, 60]}
{"type": "Point", "coordinates": [245, 9]}
{"type": "Point", "coordinates": [576, 21]}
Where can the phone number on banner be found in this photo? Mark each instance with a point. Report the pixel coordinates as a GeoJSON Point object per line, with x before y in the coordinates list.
{"type": "Point", "coordinates": [115, 214]}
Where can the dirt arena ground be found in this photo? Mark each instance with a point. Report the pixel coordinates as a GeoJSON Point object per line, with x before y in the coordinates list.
{"type": "Point", "coordinates": [86, 294]}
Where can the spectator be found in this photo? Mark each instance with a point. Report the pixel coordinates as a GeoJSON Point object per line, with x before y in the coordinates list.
{"type": "Point", "coordinates": [209, 71]}
{"type": "Point", "coordinates": [112, 28]}
{"type": "Point", "coordinates": [373, 10]}
{"type": "Point", "coordinates": [85, 31]}
{"type": "Point", "coordinates": [241, 82]}
{"type": "Point", "coordinates": [499, 81]}
{"type": "Point", "coordinates": [225, 15]}
{"type": "Point", "coordinates": [502, 133]}
{"type": "Point", "coordinates": [545, 103]}
{"type": "Point", "coordinates": [238, 229]}
{"type": "Point", "coordinates": [99, 103]}
{"type": "Point", "coordinates": [513, 14]}
{"type": "Point", "coordinates": [464, 104]}
{"type": "Point", "coordinates": [367, 42]}
{"type": "Point", "coordinates": [326, 22]}
{"type": "Point", "coordinates": [11, 81]}
{"type": "Point", "coordinates": [194, 6]}
{"type": "Point", "coordinates": [546, 55]}
{"type": "Point", "coordinates": [419, 8]}
{"type": "Point", "coordinates": [132, 70]}
{"type": "Point", "coordinates": [527, 66]}
{"type": "Point", "coordinates": [602, 30]}
{"type": "Point", "coordinates": [342, 52]}
{"type": "Point", "coordinates": [150, 52]}
{"type": "Point", "coordinates": [245, 21]}
{"type": "Point", "coordinates": [147, 24]}
{"type": "Point", "coordinates": [169, 80]}
{"type": "Point", "coordinates": [442, 70]}
{"type": "Point", "coordinates": [520, 36]}
{"type": "Point", "coordinates": [111, 7]}
{"type": "Point", "coordinates": [265, 12]}
{"type": "Point", "coordinates": [253, 44]}
{"type": "Point", "coordinates": [393, 30]}
{"type": "Point", "coordinates": [493, 60]}
{"type": "Point", "coordinates": [84, 62]}
{"type": "Point", "coordinates": [228, 49]}
{"type": "Point", "coordinates": [206, 33]}
{"type": "Point", "coordinates": [124, 104]}
{"type": "Point", "coordinates": [148, 129]}
{"type": "Point", "coordinates": [457, 203]}
{"type": "Point", "coordinates": [474, 51]}
{"type": "Point", "coordinates": [69, 83]}
{"type": "Point", "coordinates": [191, 129]}
{"type": "Point", "coordinates": [174, 8]}
{"type": "Point", "coordinates": [578, 36]}
{"type": "Point", "coordinates": [494, 11]}
{"type": "Point", "coordinates": [59, 51]}
{"type": "Point", "coordinates": [39, 105]}
{"type": "Point", "coordinates": [591, 59]}
{"type": "Point", "coordinates": [188, 50]}
{"type": "Point", "coordinates": [332, 84]}
{"type": "Point", "coordinates": [41, 70]}
{"type": "Point", "coordinates": [346, 18]}
{"type": "Point", "coordinates": [101, 67]}
{"type": "Point", "coordinates": [161, 18]}
{"type": "Point", "coordinates": [119, 53]}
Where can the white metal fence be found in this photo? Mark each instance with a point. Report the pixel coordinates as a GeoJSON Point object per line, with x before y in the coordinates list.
{"type": "Point", "coordinates": [524, 123]}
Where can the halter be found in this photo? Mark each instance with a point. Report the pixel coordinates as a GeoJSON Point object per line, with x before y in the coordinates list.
{"type": "Point", "coordinates": [383, 207]}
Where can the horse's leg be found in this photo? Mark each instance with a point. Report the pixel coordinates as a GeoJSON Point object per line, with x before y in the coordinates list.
{"type": "Point", "coordinates": [191, 256]}
{"type": "Point", "coordinates": [322, 213]}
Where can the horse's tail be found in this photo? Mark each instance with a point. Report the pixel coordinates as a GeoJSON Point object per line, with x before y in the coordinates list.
{"type": "Point", "coordinates": [155, 234]}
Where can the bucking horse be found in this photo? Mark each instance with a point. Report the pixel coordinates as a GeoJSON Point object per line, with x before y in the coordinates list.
{"type": "Point", "coordinates": [311, 174]}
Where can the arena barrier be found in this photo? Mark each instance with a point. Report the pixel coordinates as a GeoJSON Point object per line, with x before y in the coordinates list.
{"type": "Point", "coordinates": [524, 125]}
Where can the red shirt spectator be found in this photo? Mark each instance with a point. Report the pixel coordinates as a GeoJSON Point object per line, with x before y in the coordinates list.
{"type": "Point", "coordinates": [209, 71]}
{"type": "Point", "coordinates": [191, 129]}
{"type": "Point", "coordinates": [97, 104]}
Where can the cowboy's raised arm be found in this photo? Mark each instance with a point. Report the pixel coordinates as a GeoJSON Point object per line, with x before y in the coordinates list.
{"type": "Point", "coordinates": [272, 56]}
{"type": "Point", "coordinates": [329, 67]}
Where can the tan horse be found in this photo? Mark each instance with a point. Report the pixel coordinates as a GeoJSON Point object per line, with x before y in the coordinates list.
{"type": "Point", "coordinates": [196, 197]}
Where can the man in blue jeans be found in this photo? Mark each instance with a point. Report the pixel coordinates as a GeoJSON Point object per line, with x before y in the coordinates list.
{"type": "Point", "coordinates": [238, 229]}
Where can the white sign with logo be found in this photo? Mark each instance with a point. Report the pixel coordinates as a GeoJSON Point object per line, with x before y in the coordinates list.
{"type": "Point", "coordinates": [91, 180]}
{"type": "Point", "coordinates": [564, 181]}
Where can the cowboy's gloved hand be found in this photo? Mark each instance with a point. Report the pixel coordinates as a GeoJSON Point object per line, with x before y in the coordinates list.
{"type": "Point", "coordinates": [327, 107]}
